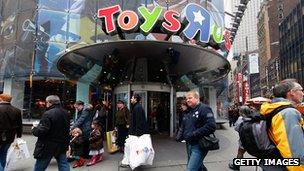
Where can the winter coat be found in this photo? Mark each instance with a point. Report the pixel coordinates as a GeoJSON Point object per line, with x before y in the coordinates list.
{"type": "Point", "coordinates": [197, 123]}
{"type": "Point", "coordinates": [10, 123]}
{"type": "Point", "coordinates": [138, 125]}
{"type": "Point", "coordinates": [52, 132]}
{"type": "Point", "coordinates": [96, 141]}
{"type": "Point", "coordinates": [286, 131]}
{"type": "Point", "coordinates": [77, 146]}
{"type": "Point", "coordinates": [84, 122]}
{"type": "Point", "coordinates": [123, 117]}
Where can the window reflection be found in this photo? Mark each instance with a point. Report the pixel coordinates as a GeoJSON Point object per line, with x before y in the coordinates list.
{"type": "Point", "coordinates": [52, 25]}
{"type": "Point", "coordinates": [46, 56]}
{"type": "Point", "coordinates": [58, 5]}
{"type": "Point", "coordinates": [81, 28]}
{"type": "Point", "coordinates": [83, 6]}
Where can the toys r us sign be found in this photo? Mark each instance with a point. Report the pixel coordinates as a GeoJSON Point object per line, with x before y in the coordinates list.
{"type": "Point", "coordinates": [193, 23]}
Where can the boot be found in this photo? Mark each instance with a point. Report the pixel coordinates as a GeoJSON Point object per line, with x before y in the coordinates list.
{"type": "Point", "coordinates": [92, 161]}
{"type": "Point", "coordinates": [233, 167]}
{"type": "Point", "coordinates": [79, 162]}
{"type": "Point", "coordinates": [99, 158]}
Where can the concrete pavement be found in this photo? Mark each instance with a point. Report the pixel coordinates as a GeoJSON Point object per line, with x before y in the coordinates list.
{"type": "Point", "coordinates": [169, 155]}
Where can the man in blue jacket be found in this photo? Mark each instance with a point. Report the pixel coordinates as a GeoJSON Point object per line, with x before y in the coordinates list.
{"type": "Point", "coordinates": [197, 123]}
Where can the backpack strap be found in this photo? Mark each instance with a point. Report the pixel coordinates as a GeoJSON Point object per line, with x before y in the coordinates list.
{"type": "Point", "coordinates": [269, 117]}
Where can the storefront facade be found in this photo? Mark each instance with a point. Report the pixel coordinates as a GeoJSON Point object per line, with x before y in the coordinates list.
{"type": "Point", "coordinates": [69, 48]}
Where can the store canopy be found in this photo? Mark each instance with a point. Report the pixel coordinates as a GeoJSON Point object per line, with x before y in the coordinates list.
{"type": "Point", "coordinates": [201, 65]}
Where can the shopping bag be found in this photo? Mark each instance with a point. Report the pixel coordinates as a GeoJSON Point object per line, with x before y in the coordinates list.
{"type": "Point", "coordinates": [141, 151]}
{"type": "Point", "coordinates": [18, 151]}
{"type": "Point", "coordinates": [111, 141]}
{"type": "Point", "coordinates": [126, 156]}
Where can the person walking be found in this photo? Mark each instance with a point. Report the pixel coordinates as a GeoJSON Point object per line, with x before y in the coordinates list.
{"type": "Point", "coordinates": [10, 126]}
{"type": "Point", "coordinates": [83, 121]}
{"type": "Point", "coordinates": [122, 123]}
{"type": "Point", "coordinates": [138, 124]}
{"type": "Point", "coordinates": [76, 145]}
{"type": "Point", "coordinates": [286, 127]}
{"type": "Point", "coordinates": [53, 136]}
{"type": "Point", "coordinates": [198, 122]}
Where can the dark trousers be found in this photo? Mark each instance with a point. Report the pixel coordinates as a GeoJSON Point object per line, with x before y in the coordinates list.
{"type": "Point", "coordinates": [3, 153]}
{"type": "Point", "coordinates": [122, 132]}
{"type": "Point", "coordinates": [86, 150]}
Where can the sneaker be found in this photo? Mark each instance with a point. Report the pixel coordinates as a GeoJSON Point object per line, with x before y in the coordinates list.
{"type": "Point", "coordinates": [233, 167]}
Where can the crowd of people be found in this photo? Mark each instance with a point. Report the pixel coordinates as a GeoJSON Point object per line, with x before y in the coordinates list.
{"type": "Point", "coordinates": [83, 140]}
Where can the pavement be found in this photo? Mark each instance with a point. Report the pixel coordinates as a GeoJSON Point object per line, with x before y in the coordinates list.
{"type": "Point", "coordinates": [169, 155]}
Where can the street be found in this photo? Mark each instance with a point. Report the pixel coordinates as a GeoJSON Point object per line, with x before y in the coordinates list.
{"type": "Point", "coordinates": [169, 155]}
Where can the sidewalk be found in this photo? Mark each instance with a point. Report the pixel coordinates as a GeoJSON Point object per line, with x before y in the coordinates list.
{"type": "Point", "coordinates": [169, 156]}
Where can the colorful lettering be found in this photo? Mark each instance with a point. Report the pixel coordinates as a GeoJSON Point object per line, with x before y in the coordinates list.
{"type": "Point", "coordinates": [217, 34]}
{"type": "Point", "coordinates": [108, 15]}
{"type": "Point", "coordinates": [132, 20]}
{"type": "Point", "coordinates": [199, 23]}
{"type": "Point", "coordinates": [171, 24]}
{"type": "Point", "coordinates": [150, 18]}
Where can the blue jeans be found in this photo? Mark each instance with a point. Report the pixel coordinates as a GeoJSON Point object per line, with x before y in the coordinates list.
{"type": "Point", "coordinates": [42, 164]}
{"type": "Point", "coordinates": [3, 154]}
{"type": "Point", "coordinates": [196, 156]}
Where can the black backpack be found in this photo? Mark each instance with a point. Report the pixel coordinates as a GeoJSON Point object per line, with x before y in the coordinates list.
{"type": "Point", "coordinates": [254, 135]}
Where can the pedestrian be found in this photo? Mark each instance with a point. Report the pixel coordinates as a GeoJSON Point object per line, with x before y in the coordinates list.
{"type": "Point", "coordinates": [122, 123]}
{"type": "Point", "coordinates": [96, 143]}
{"type": "Point", "coordinates": [184, 109]}
{"type": "Point", "coordinates": [198, 122]}
{"type": "Point", "coordinates": [245, 112]}
{"type": "Point", "coordinates": [10, 126]}
{"type": "Point", "coordinates": [76, 144]}
{"type": "Point", "coordinates": [53, 136]}
{"type": "Point", "coordinates": [83, 121]}
{"type": "Point", "coordinates": [286, 127]}
{"type": "Point", "coordinates": [138, 123]}
{"type": "Point", "coordinates": [230, 116]}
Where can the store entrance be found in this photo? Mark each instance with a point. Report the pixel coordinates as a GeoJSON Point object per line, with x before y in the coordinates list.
{"type": "Point", "coordinates": [158, 112]}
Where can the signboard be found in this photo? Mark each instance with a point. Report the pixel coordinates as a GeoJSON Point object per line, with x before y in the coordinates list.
{"type": "Point", "coordinates": [194, 23]}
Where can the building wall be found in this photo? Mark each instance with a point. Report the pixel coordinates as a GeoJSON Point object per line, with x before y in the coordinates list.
{"type": "Point", "coordinates": [292, 45]}
{"type": "Point", "coordinates": [272, 12]}
{"type": "Point", "coordinates": [247, 28]}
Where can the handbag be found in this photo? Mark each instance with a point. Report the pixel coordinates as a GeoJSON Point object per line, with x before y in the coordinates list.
{"type": "Point", "coordinates": [209, 142]}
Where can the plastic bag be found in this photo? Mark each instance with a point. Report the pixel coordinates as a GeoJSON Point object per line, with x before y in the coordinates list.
{"type": "Point", "coordinates": [138, 151]}
{"type": "Point", "coordinates": [18, 151]}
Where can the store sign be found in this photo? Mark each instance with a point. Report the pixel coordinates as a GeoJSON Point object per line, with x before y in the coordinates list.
{"type": "Point", "coordinates": [195, 22]}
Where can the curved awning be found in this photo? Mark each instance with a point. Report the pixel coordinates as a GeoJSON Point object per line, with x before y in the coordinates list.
{"type": "Point", "coordinates": [199, 64]}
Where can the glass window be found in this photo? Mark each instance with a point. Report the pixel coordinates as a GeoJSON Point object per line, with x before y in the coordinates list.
{"type": "Point", "coordinates": [26, 30]}
{"type": "Point", "coordinates": [8, 29]}
{"type": "Point", "coordinates": [81, 28]}
{"type": "Point", "coordinates": [7, 62]}
{"type": "Point", "coordinates": [23, 61]}
{"type": "Point", "coordinates": [34, 97]}
{"type": "Point", "coordinates": [46, 56]}
{"type": "Point", "coordinates": [57, 5]}
{"type": "Point", "coordinates": [11, 7]}
{"type": "Point", "coordinates": [83, 7]}
{"type": "Point", "coordinates": [27, 5]}
{"type": "Point", "coordinates": [52, 26]}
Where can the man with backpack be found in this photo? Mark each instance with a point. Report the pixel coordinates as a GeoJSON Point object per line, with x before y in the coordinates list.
{"type": "Point", "coordinates": [285, 128]}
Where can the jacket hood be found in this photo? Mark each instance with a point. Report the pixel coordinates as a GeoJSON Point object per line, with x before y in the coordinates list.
{"type": "Point", "coordinates": [267, 108]}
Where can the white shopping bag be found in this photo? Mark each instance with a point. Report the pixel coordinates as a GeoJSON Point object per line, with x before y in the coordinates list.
{"type": "Point", "coordinates": [126, 157]}
{"type": "Point", "coordinates": [18, 151]}
{"type": "Point", "coordinates": [141, 151]}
